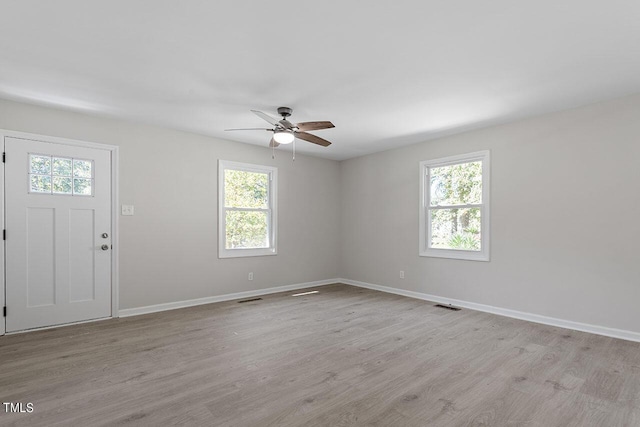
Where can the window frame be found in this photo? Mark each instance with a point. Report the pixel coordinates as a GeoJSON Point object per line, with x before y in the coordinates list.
{"type": "Point", "coordinates": [272, 214]}
{"type": "Point", "coordinates": [425, 208]}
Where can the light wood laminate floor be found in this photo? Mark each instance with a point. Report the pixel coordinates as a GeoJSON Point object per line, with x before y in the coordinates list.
{"type": "Point", "coordinates": [342, 356]}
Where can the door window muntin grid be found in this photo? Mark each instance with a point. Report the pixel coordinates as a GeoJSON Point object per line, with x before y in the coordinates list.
{"type": "Point", "coordinates": [60, 175]}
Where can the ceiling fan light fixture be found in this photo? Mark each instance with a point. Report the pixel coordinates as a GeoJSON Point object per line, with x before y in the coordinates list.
{"type": "Point", "coordinates": [283, 137]}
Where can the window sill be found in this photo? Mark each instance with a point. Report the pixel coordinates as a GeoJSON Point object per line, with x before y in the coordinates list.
{"type": "Point", "coordinates": [243, 253]}
{"type": "Point", "coordinates": [456, 254]}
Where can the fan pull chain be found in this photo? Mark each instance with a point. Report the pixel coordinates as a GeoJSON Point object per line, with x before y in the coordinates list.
{"type": "Point", "coordinates": [294, 150]}
{"type": "Point", "coordinates": [273, 151]}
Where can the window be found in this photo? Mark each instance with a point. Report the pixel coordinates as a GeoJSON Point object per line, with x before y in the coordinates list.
{"type": "Point", "coordinates": [454, 208]}
{"type": "Point", "coordinates": [60, 175]}
{"type": "Point", "coordinates": [246, 209]}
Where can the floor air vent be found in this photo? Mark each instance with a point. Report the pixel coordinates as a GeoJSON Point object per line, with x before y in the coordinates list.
{"type": "Point", "coordinates": [249, 300]}
{"type": "Point", "coordinates": [448, 307]}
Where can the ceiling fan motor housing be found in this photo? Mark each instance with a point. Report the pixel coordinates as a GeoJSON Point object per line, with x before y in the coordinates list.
{"type": "Point", "coordinates": [285, 111]}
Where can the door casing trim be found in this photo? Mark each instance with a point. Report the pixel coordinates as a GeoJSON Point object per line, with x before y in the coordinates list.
{"type": "Point", "coordinates": [115, 199]}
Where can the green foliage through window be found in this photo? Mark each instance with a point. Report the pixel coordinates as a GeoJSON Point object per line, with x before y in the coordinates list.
{"type": "Point", "coordinates": [246, 202]}
{"type": "Point", "coordinates": [456, 184]}
{"type": "Point", "coordinates": [452, 225]}
{"type": "Point", "coordinates": [244, 189]}
{"type": "Point", "coordinates": [60, 175]}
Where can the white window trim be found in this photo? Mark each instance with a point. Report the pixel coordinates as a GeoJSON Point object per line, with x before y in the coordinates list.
{"type": "Point", "coordinates": [425, 224]}
{"type": "Point", "coordinates": [273, 204]}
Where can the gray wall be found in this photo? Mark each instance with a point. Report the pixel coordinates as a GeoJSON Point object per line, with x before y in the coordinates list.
{"type": "Point", "coordinates": [565, 214]}
{"type": "Point", "coordinates": [168, 249]}
{"type": "Point", "coordinates": [565, 217]}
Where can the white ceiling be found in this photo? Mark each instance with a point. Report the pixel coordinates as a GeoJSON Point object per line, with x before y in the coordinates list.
{"type": "Point", "coordinates": [387, 73]}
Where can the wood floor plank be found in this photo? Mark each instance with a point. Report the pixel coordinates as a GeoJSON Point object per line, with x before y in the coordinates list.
{"type": "Point", "coordinates": [342, 356]}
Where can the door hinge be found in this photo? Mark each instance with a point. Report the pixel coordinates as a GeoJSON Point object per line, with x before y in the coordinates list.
{"type": "Point", "coordinates": [4, 311]}
{"type": "Point", "coordinates": [4, 156]}
{"type": "Point", "coordinates": [4, 234]}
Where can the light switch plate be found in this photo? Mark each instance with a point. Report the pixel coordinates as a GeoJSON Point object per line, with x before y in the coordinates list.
{"type": "Point", "coordinates": [127, 210]}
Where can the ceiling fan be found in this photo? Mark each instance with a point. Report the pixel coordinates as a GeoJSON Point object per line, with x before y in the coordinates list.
{"type": "Point", "coordinates": [285, 132]}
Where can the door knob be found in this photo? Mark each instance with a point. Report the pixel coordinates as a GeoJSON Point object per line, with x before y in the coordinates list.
{"type": "Point", "coordinates": [104, 247]}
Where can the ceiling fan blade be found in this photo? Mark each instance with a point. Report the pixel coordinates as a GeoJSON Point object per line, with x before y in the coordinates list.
{"type": "Point", "coordinates": [286, 124]}
{"type": "Point", "coordinates": [312, 138]}
{"type": "Point", "coordinates": [305, 126]}
{"type": "Point", "coordinates": [266, 117]}
{"type": "Point", "coordinates": [270, 130]}
{"type": "Point", "coordinates": [273, 143]}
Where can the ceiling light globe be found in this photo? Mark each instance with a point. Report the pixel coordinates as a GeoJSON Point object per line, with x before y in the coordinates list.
{"type": "Point", "coordinates": [283, 137]}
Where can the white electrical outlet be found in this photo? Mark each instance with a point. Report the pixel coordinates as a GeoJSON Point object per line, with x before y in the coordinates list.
{"type": "Point", "coordinates": [402, 274]}
{"type": "Point", "coordinates": [251, 276]}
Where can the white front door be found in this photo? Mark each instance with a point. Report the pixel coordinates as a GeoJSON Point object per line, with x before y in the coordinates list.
{"type": "Point", "coordinates": [58, 233]}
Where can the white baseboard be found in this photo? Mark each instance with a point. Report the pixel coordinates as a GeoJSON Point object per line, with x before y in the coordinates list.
{"type": "Point", "coordinates": [551, 321]}
{"type": "Point", "coordinates": [219, 298]}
